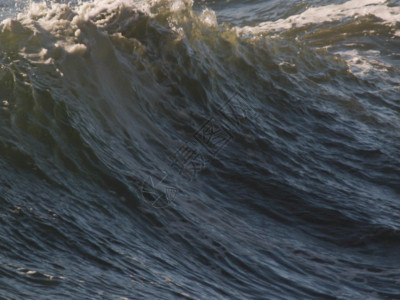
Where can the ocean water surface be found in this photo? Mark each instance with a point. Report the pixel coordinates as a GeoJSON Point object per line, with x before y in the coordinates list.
{"type": "Point", "coordinates": [179, 149]}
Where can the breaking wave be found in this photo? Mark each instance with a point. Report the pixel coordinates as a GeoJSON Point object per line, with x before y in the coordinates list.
{"type": "Point", "coordinates": [162, 149]}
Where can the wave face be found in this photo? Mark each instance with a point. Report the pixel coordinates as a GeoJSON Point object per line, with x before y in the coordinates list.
{"type": "Point", "coordinates": [167, 149]}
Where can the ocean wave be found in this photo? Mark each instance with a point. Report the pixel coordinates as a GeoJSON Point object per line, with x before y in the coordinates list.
{"type": "Point", "coordinates": [353, 9]}
{"type": "Point", "coordinates": [135, 131]}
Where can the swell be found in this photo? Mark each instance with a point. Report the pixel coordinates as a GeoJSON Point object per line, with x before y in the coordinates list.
{"type": "Point", "coordinates": [106, 89]}
{"type": "Point", "coordinates": [85, 86]}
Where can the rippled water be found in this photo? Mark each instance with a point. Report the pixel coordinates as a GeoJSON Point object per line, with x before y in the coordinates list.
{"type": "Point", "coordinates": [168, 149]}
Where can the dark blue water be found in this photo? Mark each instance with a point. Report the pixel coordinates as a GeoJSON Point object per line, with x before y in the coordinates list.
{"type": "Point", "coordinates": [206, 150]}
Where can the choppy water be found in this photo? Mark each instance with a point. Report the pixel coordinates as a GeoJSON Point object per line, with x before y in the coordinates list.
{"type": "Point", "coordinates": [210, 150]}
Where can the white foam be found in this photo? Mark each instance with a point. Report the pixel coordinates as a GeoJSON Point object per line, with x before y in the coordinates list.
{"type": "Point", "coordinates": [328, 13]}
{"type": "Point", "coordinates": [79, 49]}
{"type": "Point", "coordinates": [56, 28]}
{"type": "Point", "coordinates": [177, 6]}
{"type": "Point", "coordinates": [60, 25]}
{"type": "Point", "coordinates": [365, 63]}
{"type": "Point", "coordinates": [209, 18]}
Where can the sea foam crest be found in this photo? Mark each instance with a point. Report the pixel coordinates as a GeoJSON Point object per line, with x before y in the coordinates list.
{"type": "Point", "coordinates": [61, 26]}
{"type": "Point", "coordinates": [328, 13]}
